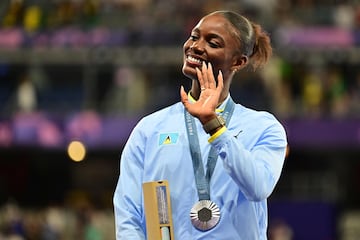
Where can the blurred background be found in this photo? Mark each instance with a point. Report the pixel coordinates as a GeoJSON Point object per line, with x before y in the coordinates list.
{"type": "Point", "coordinates": [76, 76]}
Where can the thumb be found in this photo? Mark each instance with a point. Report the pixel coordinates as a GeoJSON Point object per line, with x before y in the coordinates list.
{"type": "Point", "coordinates": [184, 97]}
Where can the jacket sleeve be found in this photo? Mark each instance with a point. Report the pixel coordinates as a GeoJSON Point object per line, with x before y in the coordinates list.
{"type": "Point", "coordinates": [127, 200]}
{"type": "Point", "coordinates": [257, 168]}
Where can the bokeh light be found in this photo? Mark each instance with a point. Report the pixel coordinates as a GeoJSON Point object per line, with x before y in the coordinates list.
{"type": "Point", "coordinates": [76, 151]}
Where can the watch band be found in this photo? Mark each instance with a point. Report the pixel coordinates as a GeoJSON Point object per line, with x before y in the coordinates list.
{"type": "Point", "coordinates": [214, 124]}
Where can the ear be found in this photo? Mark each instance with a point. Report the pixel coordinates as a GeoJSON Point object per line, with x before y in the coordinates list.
{"type": "Point", "coordinates": [239, 62]}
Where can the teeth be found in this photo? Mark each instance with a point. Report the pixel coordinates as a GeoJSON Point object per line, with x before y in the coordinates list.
{"type": "Point", "coordinates": [194, 59]}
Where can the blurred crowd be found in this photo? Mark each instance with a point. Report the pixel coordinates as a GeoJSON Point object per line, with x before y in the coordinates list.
{"type": "Point", "coordinates": [55, 223]}
{"type": "Point", "coordinates": [88, 223]}
{"type": "Point", "coordinates": [321, 81]}
{"type": "Point", "coordinates": [35, 15]}
{"type": "Point", "coordinates": [161, 22]}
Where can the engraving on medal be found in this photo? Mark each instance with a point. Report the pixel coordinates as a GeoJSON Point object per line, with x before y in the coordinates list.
{"type": "Point", "coordinates": [205, 215]}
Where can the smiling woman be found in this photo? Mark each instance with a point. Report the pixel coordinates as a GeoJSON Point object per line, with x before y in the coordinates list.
{"type": "Point", "coordinates": [225, 200]}
{"type": "Point", "coordinates": [229, 42]}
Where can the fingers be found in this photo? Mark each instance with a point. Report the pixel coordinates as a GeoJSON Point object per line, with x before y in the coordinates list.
{"type": "Point", "coordinates": [220, 81]}
{"type": "Point", "coordinates": [206, 76]}
{"type": "Point", "coordinates": [184, 97]}
{"type": "Point", "coordinates": [211, 80]}
{"type": "Point", "coordinates": [205, 73]}
{"type": "Point", "coordinates": [200, 78]}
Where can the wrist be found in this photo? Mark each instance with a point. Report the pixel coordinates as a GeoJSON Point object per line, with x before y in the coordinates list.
{"type": "Point", "coordinates": [213, 125]}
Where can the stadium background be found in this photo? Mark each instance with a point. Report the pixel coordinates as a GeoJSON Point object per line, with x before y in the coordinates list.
{"type": "Point", "coordinates": [88, 70]}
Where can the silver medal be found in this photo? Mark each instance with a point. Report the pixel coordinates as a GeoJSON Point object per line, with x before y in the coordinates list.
{"type": "Point", "coordinates": [205, 215]}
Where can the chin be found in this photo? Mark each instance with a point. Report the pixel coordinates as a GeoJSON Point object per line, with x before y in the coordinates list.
{"type": "Point", "coordinates": [189, 72]}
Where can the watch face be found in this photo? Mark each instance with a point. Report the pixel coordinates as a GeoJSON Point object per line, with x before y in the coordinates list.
{"type": "Point", "coordinates": [214, 124]}
{"type": "Point", "coordinates": [221, 120]}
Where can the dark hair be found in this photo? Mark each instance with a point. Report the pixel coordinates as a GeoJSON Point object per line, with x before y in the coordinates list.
{"type": "Point", "coordinates": [254, 41]}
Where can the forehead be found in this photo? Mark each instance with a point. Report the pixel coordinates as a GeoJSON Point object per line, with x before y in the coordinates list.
{"type": "Point", "coordinates": [214, 23]}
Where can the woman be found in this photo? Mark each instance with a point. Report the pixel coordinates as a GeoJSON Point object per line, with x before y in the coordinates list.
{"type": "Point", "coordinates": [223, 196]}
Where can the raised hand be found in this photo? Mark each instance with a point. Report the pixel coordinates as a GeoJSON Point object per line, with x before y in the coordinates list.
{"type": "Point", "coordinates": [204, 107]}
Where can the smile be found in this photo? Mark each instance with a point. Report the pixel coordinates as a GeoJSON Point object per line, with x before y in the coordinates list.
{"type": "Point", "coordinates": [194, 60]}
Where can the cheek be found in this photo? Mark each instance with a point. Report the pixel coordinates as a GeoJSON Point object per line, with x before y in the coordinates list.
{"type": "Point", "coordinates": [223, 66]}
{"type": "Point", "coordinates": [219, 60]}
{"type": "Point", "coordinates": [186, 45]}
{"type": "Point", "coordinates": [218, 65]}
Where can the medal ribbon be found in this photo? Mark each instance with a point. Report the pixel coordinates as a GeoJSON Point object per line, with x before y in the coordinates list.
{"type": "Point", "coordinates": [202, 180]}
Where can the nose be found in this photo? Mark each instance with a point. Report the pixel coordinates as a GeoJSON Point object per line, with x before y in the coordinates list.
{"type": "Point", "coordinates": [197, 47]}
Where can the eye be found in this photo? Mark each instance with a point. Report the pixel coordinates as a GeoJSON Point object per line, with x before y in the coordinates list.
{"type": "Point", "coordinates": [214, 44]}
{"type": "Point", "coordinates": [194, 37]}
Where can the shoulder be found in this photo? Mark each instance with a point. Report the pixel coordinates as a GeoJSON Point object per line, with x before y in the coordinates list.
{"type": "Point", "coordinates": [167, 114]}
{"type": "Point", "coordinates": [252, 113]}
{"type": "Point", "coordinates": [260, 119]}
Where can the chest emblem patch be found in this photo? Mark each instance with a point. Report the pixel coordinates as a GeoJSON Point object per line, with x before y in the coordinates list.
{"type": "Point", "coordinates": [168, 138]}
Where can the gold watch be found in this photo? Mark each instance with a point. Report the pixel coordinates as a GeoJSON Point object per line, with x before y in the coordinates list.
{"type": "Point", "coordinates": [214, 124]}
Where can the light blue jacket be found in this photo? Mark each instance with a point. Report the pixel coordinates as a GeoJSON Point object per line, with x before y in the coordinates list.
{"type": "Point", "coordinates": [251, 155]}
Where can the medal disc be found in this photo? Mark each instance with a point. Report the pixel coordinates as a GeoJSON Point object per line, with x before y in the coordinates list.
{"type": "Point", "coordinates": [205, 215]}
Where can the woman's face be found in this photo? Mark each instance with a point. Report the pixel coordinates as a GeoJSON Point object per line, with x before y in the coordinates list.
{"type": "Point", "coordinates": [211, 41]}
